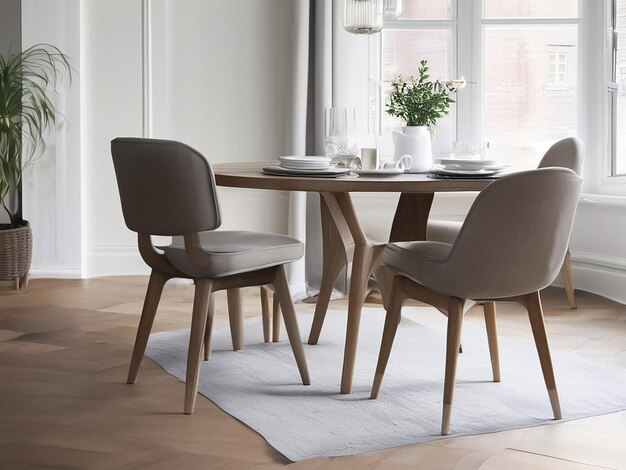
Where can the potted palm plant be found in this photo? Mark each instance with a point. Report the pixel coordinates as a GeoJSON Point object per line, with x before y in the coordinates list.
{"type": "Point", "coordinates": [27, 81]}
{"type": "Point", "coordinates": [419, 102]}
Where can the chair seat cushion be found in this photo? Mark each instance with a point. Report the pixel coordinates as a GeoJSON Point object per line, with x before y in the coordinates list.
{"type": "Point", "coordinates": [414, 258]}
{"type": "Point", "coordinates": [233, 252]}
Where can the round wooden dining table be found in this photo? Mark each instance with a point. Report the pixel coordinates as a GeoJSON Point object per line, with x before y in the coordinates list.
{"type": "Point", "coordinates": [343, 238]}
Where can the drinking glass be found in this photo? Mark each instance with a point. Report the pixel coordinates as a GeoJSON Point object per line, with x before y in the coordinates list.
{"type": "Point", "coordinates": [340, 136]}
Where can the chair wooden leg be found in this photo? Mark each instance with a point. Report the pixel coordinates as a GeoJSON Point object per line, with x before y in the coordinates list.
{"type": "Point", "coordinates": [209, 328]}
{"type": "Point", "coordinates": [392, 320]}
{"type": "Point", "coordinates": [535, 314]}
{"type": "Point", "coordinates": [566, 275]}
{"type": "Point", "coordinates": [16, 283]}
{"type": "Point", "coordinates": [150, 304]}
{"type": "Point", "coordinates": [455, 323]}
{"type": "Point", "coordinates": [331, 271]}
{"type": "Point", "coordinates": [265, 313]}
{"type": "Point", "coordinates": [291, 323]}
{"type": "Point", "coordinates": [492, 338]}
{"type": "Point", "coordinates": [275, 318]}
{"type": "Point", "coordinates": [198, 328]}
{"type": "Point", "coordinates": [235, 317]}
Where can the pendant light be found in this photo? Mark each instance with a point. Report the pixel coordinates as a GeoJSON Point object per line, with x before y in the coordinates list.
{"type": "Point", "coordinates": [393, 9]}
{"type": "Point", "coordinates": [363, 16]}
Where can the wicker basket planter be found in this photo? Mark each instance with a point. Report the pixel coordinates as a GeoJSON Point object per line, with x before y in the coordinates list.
{"type": "Point", "coordinates": [16, 247]}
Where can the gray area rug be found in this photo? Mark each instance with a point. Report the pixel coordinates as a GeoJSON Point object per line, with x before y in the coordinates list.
{"type": "Point", "coordinates": [261, 387]}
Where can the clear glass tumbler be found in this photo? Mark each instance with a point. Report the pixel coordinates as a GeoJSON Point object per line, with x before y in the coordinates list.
{"type": "Point", "coordinates": [340, 136]}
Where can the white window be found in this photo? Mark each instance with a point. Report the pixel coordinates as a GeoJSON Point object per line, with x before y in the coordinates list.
{"type": "Point", "coordinates": [557, 68]}
{"type": "Point", "coordinates": [520, 57]}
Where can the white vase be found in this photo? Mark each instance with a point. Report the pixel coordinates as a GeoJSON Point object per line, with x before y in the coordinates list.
{"type": "Point", "coordinates": [414, 141]}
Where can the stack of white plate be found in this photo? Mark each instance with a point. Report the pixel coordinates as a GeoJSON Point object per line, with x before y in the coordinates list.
{"type": "Point", "coordinates": [304, 163]}
{"type": "Point", "coordinates": [467, 168]}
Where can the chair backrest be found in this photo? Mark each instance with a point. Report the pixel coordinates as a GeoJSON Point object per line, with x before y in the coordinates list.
{"type": "Point", "coordinates": [515, 236]}
{"type": "Point", "coordinates": [166, 187]}
{"type": "Point", "coordinates": [566, 153]}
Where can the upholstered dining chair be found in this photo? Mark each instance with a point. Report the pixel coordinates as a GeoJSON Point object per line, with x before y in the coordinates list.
{"type": "Point", "coordinates": [167, 188]}
{"type": "Point", "coordinates": [566, 153]}
{"type": "Point", "coordinates": [510, 246]}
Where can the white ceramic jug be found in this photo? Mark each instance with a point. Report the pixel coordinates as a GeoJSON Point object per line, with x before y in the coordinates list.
{"type": "Point", "coordinates": [414, 141]}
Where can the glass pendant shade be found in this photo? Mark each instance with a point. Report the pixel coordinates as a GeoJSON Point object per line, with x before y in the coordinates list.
{"type": "Point", "coordinates": [393, 9]}
{"type": "Point", "coordinates": [363, 16]}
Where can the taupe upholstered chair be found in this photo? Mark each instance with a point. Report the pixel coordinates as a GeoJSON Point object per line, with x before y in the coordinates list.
{"type": "Point", "coordinates": [167, 188]}
{"type": "Point", "coordinates": [566, 153]}
{"type": "Point", "coordinates": [510, 247]}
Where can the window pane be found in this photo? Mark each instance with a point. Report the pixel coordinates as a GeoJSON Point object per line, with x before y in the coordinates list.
{"type": "Point", "coordinates": [402, 51]}
{"type": "Point", "coordinates": [620, 79]}
{"type": "Point", "coordinates": [527, 108]}
{"type": "Point", "coordinates": [426, 10]}
{"type": "Point", "coordinates": [531, 9]}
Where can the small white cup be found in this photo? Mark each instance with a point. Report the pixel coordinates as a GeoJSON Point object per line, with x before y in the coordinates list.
{"type": "Point", "coordinates": [404, 162]}
{"type": "Point", "coordinates": [369, 159]}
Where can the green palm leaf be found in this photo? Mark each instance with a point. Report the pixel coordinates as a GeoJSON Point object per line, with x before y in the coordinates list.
{"type": "Point", "coordinates": [27, 80]}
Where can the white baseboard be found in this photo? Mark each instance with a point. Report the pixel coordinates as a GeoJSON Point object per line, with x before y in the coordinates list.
{"type": "Point", "coordinates": [598, 274]}
{"type": "Point", "coordinates": [114, 261]}
{"type": "Point", "coordinates": [56, 273]}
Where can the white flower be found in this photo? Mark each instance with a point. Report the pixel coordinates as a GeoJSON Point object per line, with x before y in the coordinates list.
{"type": "Point", "coordinates": [458, 83]}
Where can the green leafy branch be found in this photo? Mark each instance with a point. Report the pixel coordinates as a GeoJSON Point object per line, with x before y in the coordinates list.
{"type": "Point", "coordinates": [418, 101]}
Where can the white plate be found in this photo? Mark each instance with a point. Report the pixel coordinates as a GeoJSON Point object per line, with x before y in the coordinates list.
{"type": "Point", "coordinates": [331, 172]}
{"type": "Point", "coordinates": [464, 173]}
{"type": "Point", "coordinates": [380, 172]}
{"type": "Point", "coordinates": [297, 159]}
{"type": "Point", "coordinates": [461, 164]}
{"type": "Point", "coordinates": [317, 166]}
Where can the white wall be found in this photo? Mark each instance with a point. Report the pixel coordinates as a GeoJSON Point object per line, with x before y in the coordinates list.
{"type": "Point", "coordinates": [112, 106]}
{"type": "Point", "coordinates": [598, 247]}
{"type": "Point", "coordinates": [52, 187]}
{"type": "Point", "coordinates": [218, 81]}
{"type": "Point", "coordinates": [221, 85]}
{"type": "Point", "coordinates": [598, 241]}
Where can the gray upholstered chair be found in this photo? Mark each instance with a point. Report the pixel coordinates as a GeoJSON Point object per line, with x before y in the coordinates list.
{"type": "Point", "coordinates": [566, 153]}
{"type": "Point", "coordinates": [511, 246]}
{"type": "Point", "coordinates": [167, 188]}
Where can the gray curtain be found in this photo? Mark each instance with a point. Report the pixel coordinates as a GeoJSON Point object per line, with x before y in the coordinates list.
{"type": "Point", "coordinates": [311, 93]}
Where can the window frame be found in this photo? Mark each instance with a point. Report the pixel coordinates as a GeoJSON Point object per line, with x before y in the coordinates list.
{"type": "Point", "coordinates": [554, 78]}
{"type": "Point", "coordinates": [468, 24]}
{"type": "Point", "coordinates": [612, 87]}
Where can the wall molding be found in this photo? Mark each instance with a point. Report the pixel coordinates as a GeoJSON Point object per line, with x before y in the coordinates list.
{"type": "Point", "coordinates": [604, 201]}
{"type": "Point", "coordinates": [599, 261]}
{"type": "Point", "coordinates": [56, 273]}
{"type": "Point", "coordinates": [599, 274]}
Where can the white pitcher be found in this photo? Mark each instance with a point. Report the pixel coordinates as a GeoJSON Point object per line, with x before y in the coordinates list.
{"type": "Point", "coordinates": [414, 141]}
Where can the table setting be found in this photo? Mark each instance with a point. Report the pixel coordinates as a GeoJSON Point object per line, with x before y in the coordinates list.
{"type": "Point", "coordinates": [320, 167]}
{"type": "Point", "coordinates": [466, 168]}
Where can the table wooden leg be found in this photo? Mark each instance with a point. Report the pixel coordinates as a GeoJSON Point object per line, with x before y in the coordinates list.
{"type": "Point", "coordinates": [361, 265]}
{"type": "Point", "coordinates": [338, 249]}
{"type": "Point", "coordinates": [348, 239]}
{"type": "Point", "coordinates": [409, 223]}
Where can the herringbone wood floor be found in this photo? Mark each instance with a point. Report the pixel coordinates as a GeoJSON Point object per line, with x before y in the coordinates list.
{"type": "Point", "coordinates": [65, 347]}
